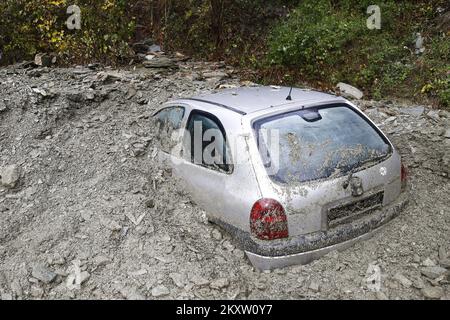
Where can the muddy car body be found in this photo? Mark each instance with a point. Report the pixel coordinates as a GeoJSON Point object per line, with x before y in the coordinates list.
{"type": "Point", "coordinates": [333, 178]}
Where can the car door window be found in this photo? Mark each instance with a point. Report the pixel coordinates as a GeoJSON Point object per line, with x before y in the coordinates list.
{"type": "Point", "coordinates": [167, 121]}
{"type": "Point", "coordinates": [170, 117]}
{"type": "Point", "coordinates": [206, 141]}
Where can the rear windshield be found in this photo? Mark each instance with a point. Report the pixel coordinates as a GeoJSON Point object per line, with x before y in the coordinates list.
{"type": "Point", "coordinates": [323, 142]}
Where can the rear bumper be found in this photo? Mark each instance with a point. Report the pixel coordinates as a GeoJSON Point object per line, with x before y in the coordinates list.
{"type": "Point", "coordinates": [269, 263]}
{"type": "Point", "coordinates": [267, 255]}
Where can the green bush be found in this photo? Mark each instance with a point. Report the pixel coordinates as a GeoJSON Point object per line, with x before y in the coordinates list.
{"type": "Point", "coordinates": [31, 26]}
{"type": "Point", "coordinates": [328, 42]}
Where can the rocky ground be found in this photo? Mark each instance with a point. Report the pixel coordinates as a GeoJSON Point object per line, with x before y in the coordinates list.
{"type": "Point", "coordinates": [85, 213]}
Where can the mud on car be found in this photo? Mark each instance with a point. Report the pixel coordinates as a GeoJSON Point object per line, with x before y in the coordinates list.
{"type": "Point", "coordinates": [292, 174]}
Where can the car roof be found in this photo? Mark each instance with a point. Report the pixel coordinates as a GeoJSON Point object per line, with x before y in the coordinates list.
{"type": "Point", "coordinates": [247, 100]}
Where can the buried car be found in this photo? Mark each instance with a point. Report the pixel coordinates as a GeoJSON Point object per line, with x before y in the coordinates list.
{"type": "Point", "coordinates": [292, 174]}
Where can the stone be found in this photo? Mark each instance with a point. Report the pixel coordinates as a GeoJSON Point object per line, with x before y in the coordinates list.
{"type": "Point", "coordinates": [9, 176]}
{"type": "Point", "coordinates": [109, 77]}
{"type": "Point", "coordinates": [160, 291]}
{"type": "Point", "coordinates": [131, 294]}
{"type": "Point", "coordinates": [239, 253]}
{"type": "Point", "coordinates": [216, 234]}
{"type": "Point", "coordinates": [314, 286]}
{"type": "Point", "coordinates": [84, 276]}
{"type": "Point", "coordinates": [199, 281]}
{"type": "Point", "coordinates": [219, 284]}
{"type": "Point", "coordinates": [447, 133]}
{"type": "Point", "coordinates": [36, 292]}
{"type": "Point", "coordinates": [413, 111]}
{"type": "Point", "coordinates": [418, 283]}
{"type": "Point", "coordinates": [44, 60]}
{"type": "Point", "coordinates": [350, 91]}
{"type": "Point", "coordinates": [178, 279]}
{"type": "Point", "coordinates": [3, 107]}
{"type": "Point", "coordinates": [260, 285]}
{"type": "Point", "coordinates": [43, 274]}
{"type": "Point", "coordinates": [434, 115]}
{"type": "Point", "coordinates": [433, 272]}
{"type": "Point", "coordinates": [403, 280]}
{"type": "Point", "coordinates": [433, 292]}
{"type": "Point", "coordinates": [216, 75]}
{"type": "Point", "coordinates": [428, 263]}
{"type": "Point", "coordinates": [381, 296]}
{"type": "Point", "coordinates": [445, 263]}
{"type": "Point", "coordinates": [6, 296]}
{"type": "Point", "coordinates": [110, 224]}
{"type": "Point", "coordinates": [161, 62]}
{"type": "Point", "coordinates": [154, 48]}
{"type": "Point", "coordinates": [181, 57]}
{"type": "Point", "coordinates": [93, 66]}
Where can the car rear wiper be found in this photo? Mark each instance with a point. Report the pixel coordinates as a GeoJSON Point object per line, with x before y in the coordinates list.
{"type": "Point", "coordinates": [348, 168]}
{"type": "Point", "coordinates": [371, 161]}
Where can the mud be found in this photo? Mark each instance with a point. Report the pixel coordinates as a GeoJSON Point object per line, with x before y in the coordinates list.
{"type": "Point", "coordinates": [92, 216]}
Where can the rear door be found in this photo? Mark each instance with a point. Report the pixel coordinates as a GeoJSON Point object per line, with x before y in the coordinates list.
{"type": "Point", "coordinates": [204, 163]}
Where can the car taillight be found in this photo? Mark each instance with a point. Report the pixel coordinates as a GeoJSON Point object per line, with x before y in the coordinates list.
{"type": "Point", "coordinates": [404, 173]}
{"type": "Point", "coordinates": [404, 176]}
{"type": "Point", "coordinates": [268, 221]}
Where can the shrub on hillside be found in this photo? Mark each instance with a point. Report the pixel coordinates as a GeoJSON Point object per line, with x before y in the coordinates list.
{"type": "Point", "coordinates": [31, 26]}
{"type": "Point", "coordinates": [329, 41]}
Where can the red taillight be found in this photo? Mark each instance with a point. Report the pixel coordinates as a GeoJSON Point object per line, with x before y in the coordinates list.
{"type": "Point", "coordinates": [268, 220]}
{"type": "Point", "coordinates": [404, 176]}
{"type": "Point", "coordinates": [404, 173]}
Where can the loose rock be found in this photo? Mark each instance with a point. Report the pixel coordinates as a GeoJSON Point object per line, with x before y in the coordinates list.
{"type": "Point", "coordinates": [161, 62]}
{"type": "Point", "coordinates": [160, 291]}
{"type": "Point", "coordinates": [9, 176]}
{"type": "Point", "coordinates": [413, 111]}
{"type": "Point", "coordinates": [220, 283]}
{"type": "Point", "coordinates": [43, 274]}
{"type": "Point", "coordinates": [178, 279]}
{"type": "Point", "coordinates": [433, 292]}
{"type": "Point", "coordinates": [350, 91]}
{"type": "Point", "coordinates": [433, 272]}
{"type": "Point", "coordinates": [403, 280]}
{"type": "Point", "coordinates": [44, 60]}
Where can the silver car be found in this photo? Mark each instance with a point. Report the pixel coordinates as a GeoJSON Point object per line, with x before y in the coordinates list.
{"type": "Point", "coordinates": [292, 174]}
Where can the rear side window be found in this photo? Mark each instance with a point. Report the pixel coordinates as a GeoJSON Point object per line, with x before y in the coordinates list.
{"type": "Point", "coordinates": [207, 143]}
{"type": "Point", "coordinates": [318, 143]}
{"type": "Point", "coordinates": [167, 121]}
{"type": "Point", "coordinates": [170, 117]}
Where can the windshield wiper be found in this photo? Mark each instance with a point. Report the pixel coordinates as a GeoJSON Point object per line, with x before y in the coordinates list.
{"type": "Point", "coordinates": [371, 161]}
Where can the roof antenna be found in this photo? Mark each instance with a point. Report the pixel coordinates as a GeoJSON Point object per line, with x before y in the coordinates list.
{"type": "Point", "coordinates": [289, 97]}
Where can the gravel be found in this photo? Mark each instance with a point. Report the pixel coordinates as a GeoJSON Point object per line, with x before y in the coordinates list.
{"type": "Point", "coordinates": [92, 202]}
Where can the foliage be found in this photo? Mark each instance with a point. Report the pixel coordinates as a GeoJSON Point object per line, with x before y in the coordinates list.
{"type": "Point", "coordinates": [328, 41]}
{"type": "Point", "coordinates": [30, 26]}
{"type": "Point", "coordinates": [287, 41]}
